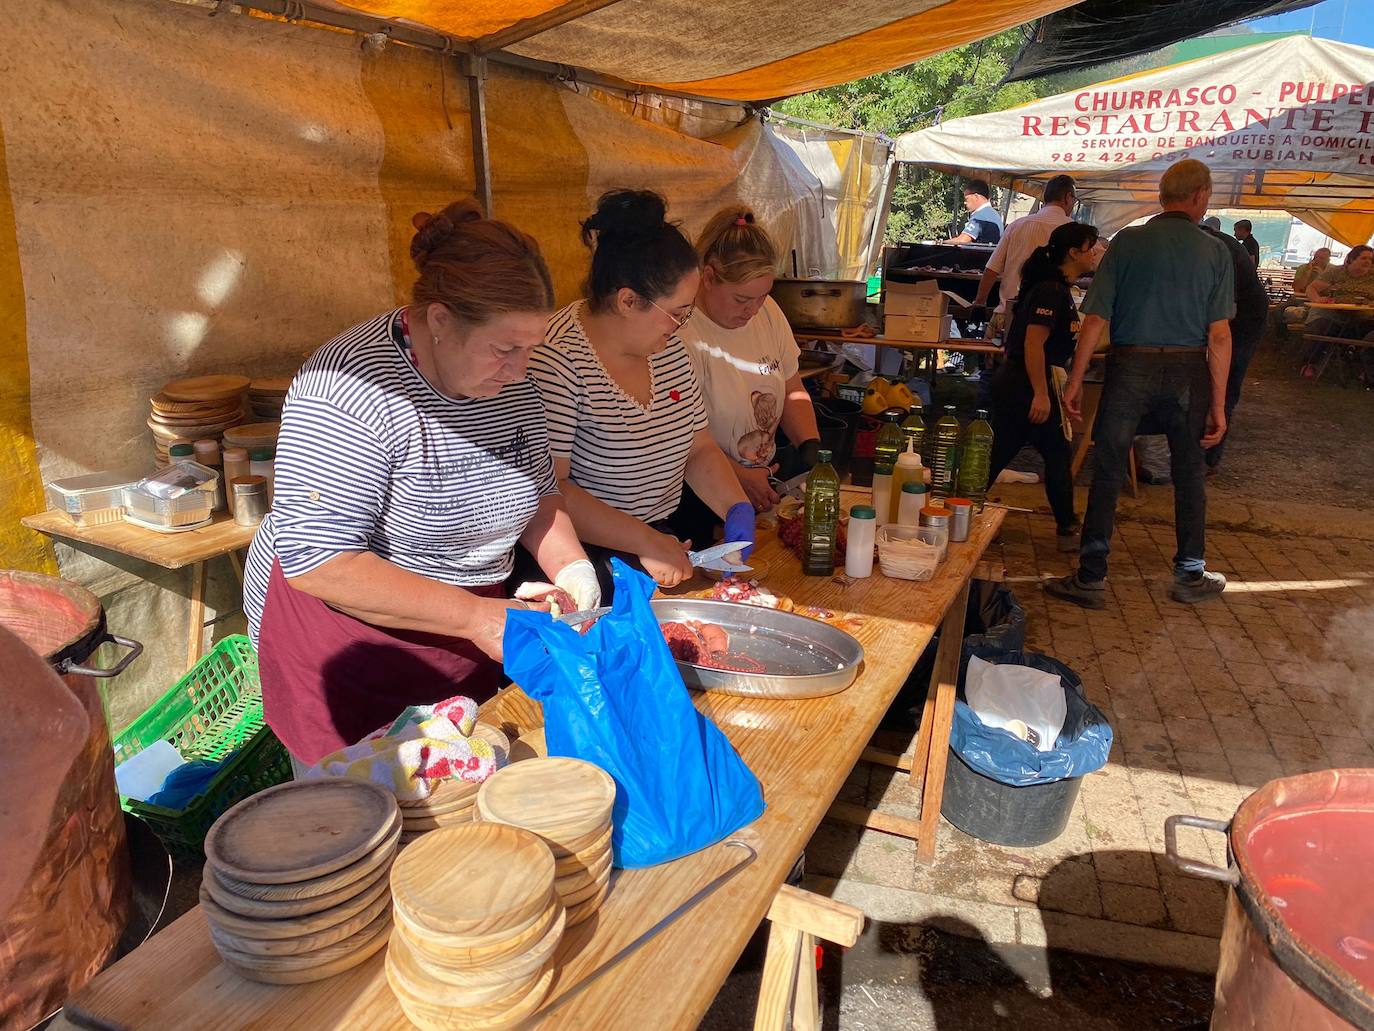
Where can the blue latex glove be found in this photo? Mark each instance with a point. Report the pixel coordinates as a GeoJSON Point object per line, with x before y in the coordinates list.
{"type": "Point", "coordinates": [187, 782]}
{"type": "Point", "coordinates": [739, 526]}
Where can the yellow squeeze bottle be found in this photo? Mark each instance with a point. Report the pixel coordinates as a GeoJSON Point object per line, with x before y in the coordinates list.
{"type": "Point", "coordinates": [907, 470]}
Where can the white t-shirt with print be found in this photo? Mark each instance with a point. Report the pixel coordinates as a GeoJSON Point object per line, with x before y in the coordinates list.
{"type": "Point", "coordinates": [743, 375]}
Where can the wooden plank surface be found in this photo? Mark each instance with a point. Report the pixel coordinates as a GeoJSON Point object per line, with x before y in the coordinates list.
{"type": "Point", "coordinates": [169, 550]}
{"type": "Point", "coordinates": [961, 344]}
{"type": "Point", "coordinates": [801, 750]}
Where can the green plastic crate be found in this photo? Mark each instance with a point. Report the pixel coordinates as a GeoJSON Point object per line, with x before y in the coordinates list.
{"type": "Point", "coordinates": [213, 710]}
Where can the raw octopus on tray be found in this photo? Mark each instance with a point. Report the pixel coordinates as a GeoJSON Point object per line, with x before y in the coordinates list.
{"type": "Point", "coordinates": [748, 592]}
{"type": "Point", "coordinates": [705, 644]}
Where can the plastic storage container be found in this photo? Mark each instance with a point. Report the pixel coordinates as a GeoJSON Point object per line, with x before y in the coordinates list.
{"type": "Point", "coordinates": [92, 499]}
{"type": "Point", "coordinates": [902, 554]}
{"type": "Point", "coordinates": [214, 711]}
{"type": "Point", "coordinates": [179, 497]}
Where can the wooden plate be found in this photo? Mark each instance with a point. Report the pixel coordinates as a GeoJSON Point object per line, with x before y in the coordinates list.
{"type": "Point", "coordinates": [380, 924]}
{"type": "Point", "coordinates": [476, 943]}
{"type": "Point", "coordinates": [305, 942]}
{"type": "Point", "coordinates": [451, 794]}
{"type": "Point", "coordinates": [562, 800]}
{"type": "Point", "coordinates": [301, 829]}
{"type": "Point", "coordinates": [383, 854]}
{"type": "Point", "coordinates": [254, 434]}
{"type": "Point", "coordinates": [168, 434]}
{"type": "Point", "coordinates": [413, 988]}
{"type": "Point", "coordinates": [282, 909]}
{"type": "Point", "coordinates": [577, 896]}
{"type": "Point", "coordinates": [163, 403]}
{"type": "Point", "coordinates": [319, 973]}
{"type": "Point", "coordinates": [291, 927]}
{"type": "Point", "coordinates": [529, 746]}
{"type": "Point", "coordinates": [581, 873]}
{"type": "Point", "coordinates": [433, 823]}
{"type": "Point", "coordinates": [585, 910]}
{"type": "Point", "coordinates": [460, 959]}
{"type": "Point", "coordinates": [522, 966]}
{"type": "Point", "coordinates": [206, 388]}
{"type": "Point", "coordinates": [192, 412]}
{"type": "Point", "coordinates": [473, 879]}
{"type": "Point", "coordinates": [271, 385]}
{"type": "Point", "coordinates": [584, 848]}
{"type": "Point", "coordinates": [500, 744]}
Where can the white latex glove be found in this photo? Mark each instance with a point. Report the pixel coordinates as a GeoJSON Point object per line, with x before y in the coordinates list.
{"type": "Point", "coordinates": [579, 579]}
{"type": "Point", "coordinates": [540, 593]}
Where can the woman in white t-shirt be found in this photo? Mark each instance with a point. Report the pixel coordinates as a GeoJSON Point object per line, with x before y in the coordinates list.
{"type": "Point", "coordinates": [626, 422]}
{"type": "Point", "coordinates": [745, 357]}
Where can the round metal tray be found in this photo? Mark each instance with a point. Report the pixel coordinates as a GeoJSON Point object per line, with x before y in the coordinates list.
{"type": "Point", "coordinates": [802, 657]}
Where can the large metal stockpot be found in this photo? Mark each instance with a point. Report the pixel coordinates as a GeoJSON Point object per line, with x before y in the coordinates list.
{"type": "Point", "coordinates": [821, 303]}
{"type": "Point", "coordinates": [1296, 948]}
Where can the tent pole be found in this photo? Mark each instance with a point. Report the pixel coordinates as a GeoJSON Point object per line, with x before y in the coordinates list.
{"type": "Point", "coordinates": [477, 111]}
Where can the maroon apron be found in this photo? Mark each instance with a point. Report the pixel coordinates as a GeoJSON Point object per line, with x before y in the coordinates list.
{"type": "Point", "coordinates": [329, 680]}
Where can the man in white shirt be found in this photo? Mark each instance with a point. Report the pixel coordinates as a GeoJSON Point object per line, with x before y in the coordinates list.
{"type": "Point", "coordinates": [1021, 238]}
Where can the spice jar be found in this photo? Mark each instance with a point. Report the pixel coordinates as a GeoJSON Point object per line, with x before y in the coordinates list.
{"type": "Point", "coordinates": [935, 528]}
{"type": "Point", "coordinates": [961, 518]}
{"type": "Point", "coordinates": [250, 499]}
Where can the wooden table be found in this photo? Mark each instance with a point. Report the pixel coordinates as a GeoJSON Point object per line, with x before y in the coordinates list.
{"type": "Point", "coordinates": [169, 550]}
{"type": "Point", "coordinates": [963, 345]}
{"type": "Point", "coordinates": [802, 751]}
{"type": "Point", "coordinates": [1363, 309]}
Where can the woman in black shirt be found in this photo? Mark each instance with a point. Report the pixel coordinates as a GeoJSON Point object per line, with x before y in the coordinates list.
{"type": "Point", "coordinates": [1025, 394]}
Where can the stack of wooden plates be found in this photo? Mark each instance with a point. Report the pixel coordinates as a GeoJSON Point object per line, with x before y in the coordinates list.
{"type": "Point", "coordinates": [568, 803]}
{"type": "Point", "coordinates": [266, 397]}
{"type": "Point", "coordinates": [296, 885]}
{"type": "Point", "coordinates": [477, 923]}
{"type": "Point", "coordinates": [253, 434]}
{"type": "Point", "coordinates": [453, 801]}
{"type": "Point", "coordinates": [192, 409]}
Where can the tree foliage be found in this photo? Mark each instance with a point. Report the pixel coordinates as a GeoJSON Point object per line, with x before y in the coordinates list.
{"type": "Point", "coordinates": [959, 82]}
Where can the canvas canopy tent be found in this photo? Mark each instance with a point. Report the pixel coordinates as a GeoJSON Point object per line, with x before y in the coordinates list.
{"type": "Point", "coordinates": [188, 188]}
{"type": "Point", "coordinates": [1287, 125]}
{"type": "Point", "coordinates": [736, 49]}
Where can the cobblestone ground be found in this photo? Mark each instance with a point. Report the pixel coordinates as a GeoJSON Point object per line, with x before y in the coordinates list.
{"type": "Point", "coordinates": [1207, 703]}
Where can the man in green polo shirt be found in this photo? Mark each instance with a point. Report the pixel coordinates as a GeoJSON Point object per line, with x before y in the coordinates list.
{"type": "Point", "coordinates": [1167, 290]}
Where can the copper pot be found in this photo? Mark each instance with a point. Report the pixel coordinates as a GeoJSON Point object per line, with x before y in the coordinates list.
{"type": "Point", "coordinates": [68, 917]}
{"type": "Point", "coordinates": [1271, 975]}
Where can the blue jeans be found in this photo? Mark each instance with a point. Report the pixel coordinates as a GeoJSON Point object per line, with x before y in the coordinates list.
{"type": "Point", "coordinates": [1175, 392]}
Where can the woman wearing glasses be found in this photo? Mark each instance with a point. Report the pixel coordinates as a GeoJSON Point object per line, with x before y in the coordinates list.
{"type": "Point", "coordinates": [626, 421]}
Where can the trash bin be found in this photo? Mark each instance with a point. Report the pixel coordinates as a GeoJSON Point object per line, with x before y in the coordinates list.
{"type": "Point", "coordinates": [1002, 789]}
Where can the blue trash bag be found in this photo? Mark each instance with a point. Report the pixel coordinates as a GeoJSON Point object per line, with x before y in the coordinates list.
{"type": "Point", "coordinates": [614, 697]}
{"type": "Point", "coordinates": [1080, 749]}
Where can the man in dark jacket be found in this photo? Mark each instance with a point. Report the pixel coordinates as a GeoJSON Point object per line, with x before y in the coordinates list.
{"type": "Point", "coordinates": [1252, 312]}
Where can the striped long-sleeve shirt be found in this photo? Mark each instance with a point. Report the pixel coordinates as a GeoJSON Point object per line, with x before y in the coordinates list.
{"type": "Point", "coordinates": [372, 458]}
{"type": "Point", "coordinates": [628, 455]}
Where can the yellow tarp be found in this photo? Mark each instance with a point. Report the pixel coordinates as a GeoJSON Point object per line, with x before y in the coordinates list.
{"type": "Point", "coordinates": [734, 49]}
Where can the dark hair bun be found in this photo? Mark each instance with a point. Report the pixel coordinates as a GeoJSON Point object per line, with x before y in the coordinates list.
{"type": "Point", "coordinates": [626, 214]}
{"type": "Point", "coordinates": [433, 232]}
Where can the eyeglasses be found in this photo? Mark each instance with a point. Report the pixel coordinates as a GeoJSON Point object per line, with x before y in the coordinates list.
{"type": "Point", "coordinates": [678, 320]}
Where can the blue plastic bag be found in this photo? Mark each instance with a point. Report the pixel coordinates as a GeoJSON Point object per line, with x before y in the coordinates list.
{"type": "Point", "coordinates": [614, 697]}
{"type": "Point", "coordinates": [1080, 749]}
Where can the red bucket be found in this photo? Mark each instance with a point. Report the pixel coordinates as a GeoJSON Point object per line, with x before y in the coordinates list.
{"type": "Point", "coordinates": [1297, 948]}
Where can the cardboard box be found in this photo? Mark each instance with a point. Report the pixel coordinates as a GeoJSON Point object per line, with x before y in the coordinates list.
{"type": "Point", "coordinates": [922, 299]}
{"type": "Point", "coordinates": [918, 328]}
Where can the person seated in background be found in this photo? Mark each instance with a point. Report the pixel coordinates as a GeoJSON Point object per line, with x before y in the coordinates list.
{"type": "Point", "coordinates": [1244, 232]}
{"type": "Point", "coordinates": [1295, 308]}
{"type": "Point", "coordinates": [984, 224]}
{"type": "Point", "coordinates": [1352, 283]}
{"type": "Point", "coordinates": [1305, 275]}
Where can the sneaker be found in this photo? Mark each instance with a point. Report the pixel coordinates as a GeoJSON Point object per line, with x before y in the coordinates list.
{"type": "Point", "coordinates": [1193, 589]}
{"type": "Point", "coordinates": [1083, 594]}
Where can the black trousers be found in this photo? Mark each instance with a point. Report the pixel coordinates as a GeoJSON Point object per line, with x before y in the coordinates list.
{"type": "Point", "coordinates": [1012, 430]}
{"type": "Point", "coordinates": [1245, 339]}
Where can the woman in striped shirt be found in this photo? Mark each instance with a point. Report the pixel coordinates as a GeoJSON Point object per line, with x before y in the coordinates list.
{"type": "Point", "coordinates": [626, 421]}
{"type": "Point", "coordinates": [413, 456]}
